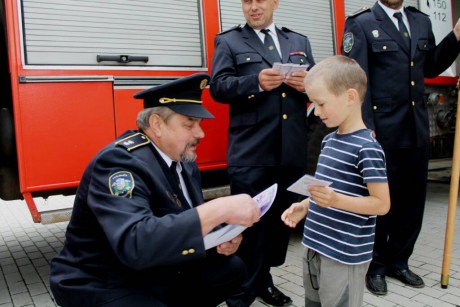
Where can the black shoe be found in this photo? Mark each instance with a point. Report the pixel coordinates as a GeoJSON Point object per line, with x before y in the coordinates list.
{"type": "Point", "coordinates": [376, 284]}
{"type": "Point", "coordinates": [274, 297]}
{"type": "Point", "coordinates": [235, 304]}
{"type": "Point", "coordinates": [242, 299]}
{"type": "Point", "coordinates": [407, 277]}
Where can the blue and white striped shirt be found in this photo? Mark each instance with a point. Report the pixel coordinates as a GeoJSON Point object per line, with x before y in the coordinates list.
{"type": "Point", "coordinates": [349, 161]}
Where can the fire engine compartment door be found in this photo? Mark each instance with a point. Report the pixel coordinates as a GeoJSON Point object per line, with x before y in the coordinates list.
{"type": "Point", "coordinates": [60, 125]}
{"type": "Point", "coordinates": [113, 33]}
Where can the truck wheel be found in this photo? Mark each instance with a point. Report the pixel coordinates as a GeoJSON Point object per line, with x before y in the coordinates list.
{"type": "Point", "coordinates": [9, 184]}
{"type": "Point", "coordinates": [7, 144]}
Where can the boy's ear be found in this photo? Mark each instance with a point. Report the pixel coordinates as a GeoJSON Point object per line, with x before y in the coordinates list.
{"type": "Point", "coordinates": [352, 96]}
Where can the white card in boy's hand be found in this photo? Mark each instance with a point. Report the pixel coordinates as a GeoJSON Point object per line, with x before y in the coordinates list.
{"type": "Point", "coordinates": [301, 185]}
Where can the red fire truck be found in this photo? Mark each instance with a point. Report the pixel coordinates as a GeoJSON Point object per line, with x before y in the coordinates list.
{"type": "Point", "coordinates": [69, 69]}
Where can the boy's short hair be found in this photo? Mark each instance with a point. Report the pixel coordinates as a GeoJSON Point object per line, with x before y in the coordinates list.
{"type": "Point", "coordinates": [339, 74]}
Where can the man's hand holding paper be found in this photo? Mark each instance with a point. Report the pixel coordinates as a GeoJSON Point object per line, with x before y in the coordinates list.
{"type": "Point", "coordinates": [270, 78]}
{"type": "Point", "coordinates": [294, 74]}
{"type": "Point", "coordinates": [295, 80]}
{"type": "Point", "coordinates": [287, 69]}
{"type": "Point", "coordinates": [230, 233]}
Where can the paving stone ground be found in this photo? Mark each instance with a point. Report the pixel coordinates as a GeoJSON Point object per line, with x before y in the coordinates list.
{"type": "Point", "coordinates": [26, 249]}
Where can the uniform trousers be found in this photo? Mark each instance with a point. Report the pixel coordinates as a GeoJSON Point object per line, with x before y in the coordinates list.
{"type": "Point", "coordinates": [398, 230]}
{"type": "Point", "coordinates": [205, 283]}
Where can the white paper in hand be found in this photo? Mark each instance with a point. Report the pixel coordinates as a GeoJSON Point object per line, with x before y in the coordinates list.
{"type": "Point", "coordinates": [301, 185]}
{"type": "Point", "coordinates": [222, 235]}
{"type": "Point", "coordinates": [288, 68]}
{"type": "Point", "coordinates": [264, 199]}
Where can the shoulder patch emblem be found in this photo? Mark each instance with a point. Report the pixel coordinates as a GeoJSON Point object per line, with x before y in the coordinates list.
{"type": "Point", "coordinates": [121, 184]}
{"type": "Point", "coordinates": [348, 42]}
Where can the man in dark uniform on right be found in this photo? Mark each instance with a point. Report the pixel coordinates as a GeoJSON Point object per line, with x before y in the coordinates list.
{"type": "Point", "coordinates": [396, 47]}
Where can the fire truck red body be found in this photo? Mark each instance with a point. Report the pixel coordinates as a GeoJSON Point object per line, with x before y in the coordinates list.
{"type": "Point", "coordinates": [66, 94]}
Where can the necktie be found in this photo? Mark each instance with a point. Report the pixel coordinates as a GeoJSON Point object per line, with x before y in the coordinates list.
{"type": "Point", "coordinates": [173, 169]}
{"type": "Point", "coordinates": [402, 29]}
{"type": "Point", "coordinates": [270, 47]}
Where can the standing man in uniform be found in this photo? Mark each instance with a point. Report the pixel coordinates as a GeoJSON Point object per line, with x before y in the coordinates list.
{"type": "Point", "coordinates": [267, 136]}
{"type": "Point", "coordinates": [135, 237]}
{"type": "Point", "coordinates": [396, 47]}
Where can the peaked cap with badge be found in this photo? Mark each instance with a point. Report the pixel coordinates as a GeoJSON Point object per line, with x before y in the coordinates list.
{"type": "Point", "coordinates": [183, 96]}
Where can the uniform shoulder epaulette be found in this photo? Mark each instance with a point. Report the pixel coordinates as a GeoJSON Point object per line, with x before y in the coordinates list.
{"type": "Point", "coordinates": [415, 10]}
{"type": "Point", "coordinates": [238, 27]}
{"type": "Point", "coordinates": [133, 141]}
{"type": "Point", "coordinates": [284, 29]}
{"type": "Point", "coordinates": [360, 11]}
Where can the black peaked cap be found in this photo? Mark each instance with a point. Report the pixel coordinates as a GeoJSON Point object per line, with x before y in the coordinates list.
{"type": "Point", "coordinates": [182, 95]}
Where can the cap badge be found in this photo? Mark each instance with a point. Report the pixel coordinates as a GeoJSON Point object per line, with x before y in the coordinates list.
{"type": "Point", "coordinates": [164, 100]}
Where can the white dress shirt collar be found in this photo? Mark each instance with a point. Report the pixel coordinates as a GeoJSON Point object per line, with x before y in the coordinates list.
{"type": "Point", "coordinates": [390, 13]}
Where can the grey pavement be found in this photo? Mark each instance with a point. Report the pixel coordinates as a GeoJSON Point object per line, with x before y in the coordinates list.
{"type": "Point", "coordinates": [26, 249]}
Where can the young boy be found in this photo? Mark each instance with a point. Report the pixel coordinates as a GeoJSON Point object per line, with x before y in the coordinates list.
{"type": "Point", "coordinates": [340, 225]}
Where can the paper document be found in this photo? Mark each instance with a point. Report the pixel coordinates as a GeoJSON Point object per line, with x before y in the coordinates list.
{"type": "Point", "coordinates": [264, 199]}
{"type": "Point", "coordinates": [288, 68]}
{"type": "Point", "coordinates": [301, 185]}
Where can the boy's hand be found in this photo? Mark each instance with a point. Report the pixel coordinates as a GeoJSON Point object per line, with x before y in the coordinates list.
{"type": "Point", "coordinates": [295, 213]}
{"type": "Point", "coordinates": [323, 196]}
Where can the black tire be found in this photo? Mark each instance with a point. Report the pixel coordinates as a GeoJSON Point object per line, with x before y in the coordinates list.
{"type": "Point", "coordinates": [9, 179]}
{"type": "Point", "coordinates": [7, 143]}
{"type": "Point", "coordinates": [9, 184]}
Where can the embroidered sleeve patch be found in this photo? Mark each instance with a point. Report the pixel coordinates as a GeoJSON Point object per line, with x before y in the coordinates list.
{"type": "Point", "coordinates": [348, 42]}
{"type": "Point", "coordinates": [121, 184]}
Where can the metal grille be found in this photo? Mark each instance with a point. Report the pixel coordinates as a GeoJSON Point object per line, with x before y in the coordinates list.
{"type": "Point", "coordinates": [313, 20]}
{"type": "Point", "coordinates": [74, 32]}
